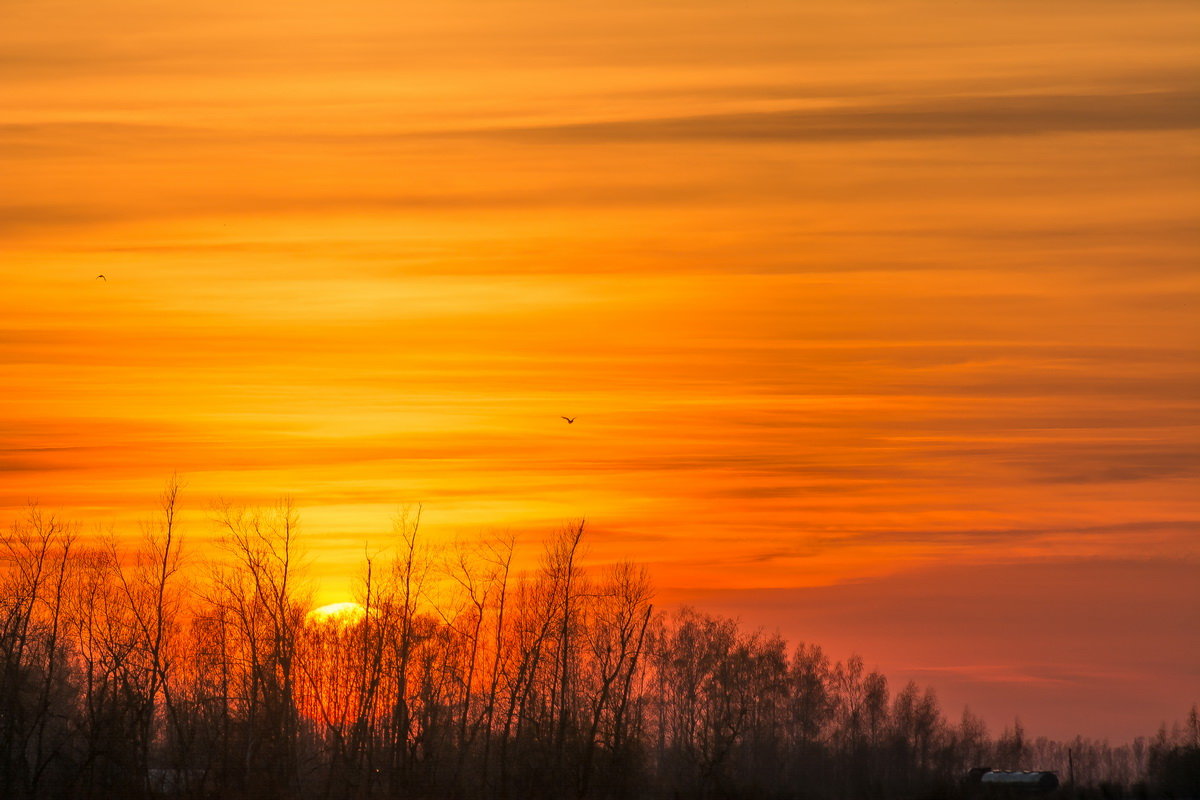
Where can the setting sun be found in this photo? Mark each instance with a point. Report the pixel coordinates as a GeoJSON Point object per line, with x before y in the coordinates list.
{"type": "Point", "coordinates": [343, 612]}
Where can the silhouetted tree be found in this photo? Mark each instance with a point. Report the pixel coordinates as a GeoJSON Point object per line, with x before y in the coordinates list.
{"type": "Point", "coordinates": [125, 672]}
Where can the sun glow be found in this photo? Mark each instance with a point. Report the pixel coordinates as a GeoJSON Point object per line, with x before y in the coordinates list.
{"type": "Point", "coordinates": [343, 612]}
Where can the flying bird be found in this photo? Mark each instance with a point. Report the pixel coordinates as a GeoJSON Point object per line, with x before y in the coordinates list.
{"type": "Point", "coordinates": [102, 278]}
{"type": "Point", "coordinates": [570, 420]}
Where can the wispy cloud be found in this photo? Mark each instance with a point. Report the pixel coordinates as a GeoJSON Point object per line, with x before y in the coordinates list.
{"type": "Point", "coordinates": [949, 117]}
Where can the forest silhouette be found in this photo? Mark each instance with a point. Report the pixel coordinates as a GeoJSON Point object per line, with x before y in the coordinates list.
{"type": "Point", "coordinates": [146, 672]}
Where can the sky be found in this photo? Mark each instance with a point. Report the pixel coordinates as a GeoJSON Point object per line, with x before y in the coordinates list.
{"type": "Point", "coordinates": [879, 320]}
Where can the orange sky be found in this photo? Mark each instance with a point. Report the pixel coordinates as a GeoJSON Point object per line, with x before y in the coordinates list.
{"type": "Point", "coordinates": [879, 319]}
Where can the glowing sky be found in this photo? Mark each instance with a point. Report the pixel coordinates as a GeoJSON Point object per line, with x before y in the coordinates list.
{"type": "Point", "coordinates": [879, 319]}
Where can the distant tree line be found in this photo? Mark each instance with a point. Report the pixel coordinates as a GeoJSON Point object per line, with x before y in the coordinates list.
{"type": "Point", "coordinates": [133, 675]}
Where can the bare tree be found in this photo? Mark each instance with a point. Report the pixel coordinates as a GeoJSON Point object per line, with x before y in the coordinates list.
{"type": "Point", "coordinates": [460, 678]}
{"type": "Point", "coordinates": [261, 593]}
{"type": "Point", "coordinates": [34, 652]}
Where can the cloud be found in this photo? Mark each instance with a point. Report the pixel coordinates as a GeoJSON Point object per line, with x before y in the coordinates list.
{"type": "Point", "coordinates": [943, 117]}
{"type": "Point", "coordinates": [1009, 536]}
{"type": "Point", "coordinates": [1022, 115]}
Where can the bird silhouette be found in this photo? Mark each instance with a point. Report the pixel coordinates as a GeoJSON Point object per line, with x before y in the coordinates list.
{"type": "Point", "coordinates": [102, 278]}
{"type": "Point", "coordinates": [570, 420]}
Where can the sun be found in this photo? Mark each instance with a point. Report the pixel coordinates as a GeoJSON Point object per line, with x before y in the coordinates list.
{"type": "Point", "coordinates": [344, 612]}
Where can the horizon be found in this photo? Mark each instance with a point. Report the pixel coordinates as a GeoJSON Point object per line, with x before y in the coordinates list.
{"type": "Point", "coordinates": [876, 322]}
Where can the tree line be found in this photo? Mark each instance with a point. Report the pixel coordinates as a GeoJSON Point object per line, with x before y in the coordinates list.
{"type": "Point", "coordinates": [137, 673]}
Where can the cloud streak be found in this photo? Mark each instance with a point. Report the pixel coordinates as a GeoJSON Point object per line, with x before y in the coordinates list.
{"type": "Point", "coordinates": [1028, 115]}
